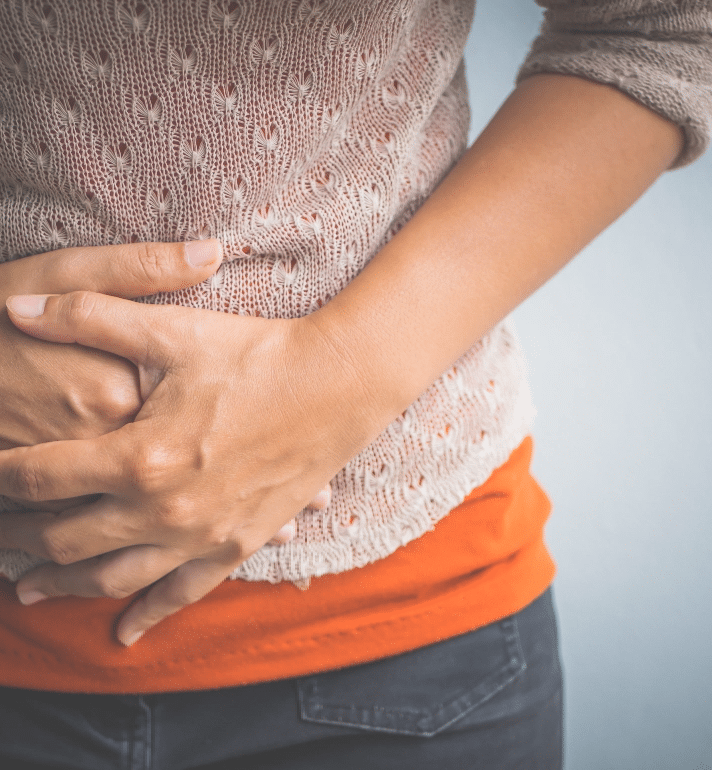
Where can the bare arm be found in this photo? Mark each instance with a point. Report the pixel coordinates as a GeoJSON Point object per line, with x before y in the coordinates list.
{"type": "Point", "coordinates": [561, 160]}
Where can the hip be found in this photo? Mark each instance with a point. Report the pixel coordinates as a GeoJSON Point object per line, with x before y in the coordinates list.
{"type": "Point", "coordinates": [488, 698]}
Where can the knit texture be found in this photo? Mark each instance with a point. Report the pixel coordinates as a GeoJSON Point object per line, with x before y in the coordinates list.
{"type": "Point", "coordinates": [659, 52]}
{"type": "Point", "coordinates": [303, 134]}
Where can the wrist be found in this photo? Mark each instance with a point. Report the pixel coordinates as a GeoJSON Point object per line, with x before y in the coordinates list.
{"type": "Point", "coordinates": [352, 356]}
{"type": "Point", "coordinates": [350, 399]}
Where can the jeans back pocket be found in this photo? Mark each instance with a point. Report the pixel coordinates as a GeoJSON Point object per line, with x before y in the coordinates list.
{"type": "Point", "coordinates": [421, 692]}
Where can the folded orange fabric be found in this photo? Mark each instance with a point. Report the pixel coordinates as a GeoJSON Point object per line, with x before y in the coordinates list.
{"type": "Point", "coordinates": [485, 560]}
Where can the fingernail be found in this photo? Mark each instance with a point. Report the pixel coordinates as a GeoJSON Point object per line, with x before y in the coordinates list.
{"type": "Point", "coordinates": [202, 253]}
{"type": "Point", "coordinates": [323, 499]}
{"type": "Point", "coordinates": [27, 305]}
{"type": "Point", "coordinates": [130, 639]}
{"type": "Point", "coordinates": [30, 596]}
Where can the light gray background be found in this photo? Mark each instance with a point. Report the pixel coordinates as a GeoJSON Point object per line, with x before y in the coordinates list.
{"type": "Point", "coordinates": [619, 352]}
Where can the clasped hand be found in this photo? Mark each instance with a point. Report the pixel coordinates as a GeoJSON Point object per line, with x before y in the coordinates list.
{"type": "Point", "coordinates": [234, 434]}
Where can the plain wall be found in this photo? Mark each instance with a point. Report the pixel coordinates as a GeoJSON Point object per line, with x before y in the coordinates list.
{"type": "Point", "coordinates": [619, 352]}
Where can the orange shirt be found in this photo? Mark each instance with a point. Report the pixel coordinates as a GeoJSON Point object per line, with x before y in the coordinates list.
{"type": "Point", "coordinates": [483, 561]}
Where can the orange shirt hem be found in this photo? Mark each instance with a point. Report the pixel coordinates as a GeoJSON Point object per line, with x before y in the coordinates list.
{"type": "Point", "coordinates": [485, 560]}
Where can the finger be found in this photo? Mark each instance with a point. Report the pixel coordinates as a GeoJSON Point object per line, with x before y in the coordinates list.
{"type": "Point", "coordinates": [185, 585]}
{"type": "Point", "coordinates": [285, 534]}
{"type": "Point", "coordinates": [76, 534]}
{"type": "Point", "coordinates": [113, 575]}
{"type": "Point", "coordinates": [127, 329]}
{"type": "Point", "coordinates": [322, 499]}
{"type": "Point", "coordinates": [59, 470]}
{"type": "Point", "coordinates": [288, 532]}
{"type": "Point", "coordinates": [126, 270]}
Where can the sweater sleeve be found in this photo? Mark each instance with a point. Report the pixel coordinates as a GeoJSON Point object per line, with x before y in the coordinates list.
{"type": "Point", "coordinates": [659, 52]}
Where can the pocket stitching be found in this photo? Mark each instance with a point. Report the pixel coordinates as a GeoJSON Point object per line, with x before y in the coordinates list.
{"type": "Point", "coordinates": [423, 725]}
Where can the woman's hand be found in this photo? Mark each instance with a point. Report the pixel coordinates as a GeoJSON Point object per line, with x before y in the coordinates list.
{"type": "Point", "coordinates": [51, 392]}
{"type": "Point", "coordinates": [208, 471]}
{"type": "Point", "coordinates": [243, 423]}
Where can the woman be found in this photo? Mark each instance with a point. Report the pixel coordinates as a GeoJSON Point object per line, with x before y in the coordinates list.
{"type": "Point", "coordinates": [304, 137]}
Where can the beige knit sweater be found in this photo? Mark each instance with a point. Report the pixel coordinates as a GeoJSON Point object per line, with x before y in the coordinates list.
{"type": "Point", "coordinates": [303, 134]}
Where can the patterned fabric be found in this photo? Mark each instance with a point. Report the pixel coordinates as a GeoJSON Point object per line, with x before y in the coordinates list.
{"type": "Point", "coordinates": [657, 51]}
{"type": "Point", "coordinates": [301, 133]}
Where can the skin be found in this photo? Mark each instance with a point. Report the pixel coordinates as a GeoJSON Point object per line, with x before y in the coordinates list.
{"type": "Point", "coordinates": [50, 392]}
{"type": "Point", "coordinates": [562, 159]}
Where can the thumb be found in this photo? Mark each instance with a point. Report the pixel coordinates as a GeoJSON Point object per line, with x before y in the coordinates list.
{"type": "Point", "coordinates": [128, 329]}
{"type": "Point", "coordinates": [127, 270]}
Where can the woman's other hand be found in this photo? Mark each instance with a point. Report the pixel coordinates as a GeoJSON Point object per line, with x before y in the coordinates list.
{"type": "Point", "coordinates": [243, 425]}
{"type": "Point", "coordinates": [51, 392]}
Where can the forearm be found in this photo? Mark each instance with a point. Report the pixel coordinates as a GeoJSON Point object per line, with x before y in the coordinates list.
{"type": "Point", "coordinates": [560, 161]}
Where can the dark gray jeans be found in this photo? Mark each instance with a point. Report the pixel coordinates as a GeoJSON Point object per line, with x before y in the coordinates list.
{"type": "Point", "coordinates": [487, 700]}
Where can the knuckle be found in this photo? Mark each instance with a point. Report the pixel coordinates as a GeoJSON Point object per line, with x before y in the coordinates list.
{"type": "Point", "coordinates": [49, 580]}
{"type": "Point", "coordinates": [152, 469]}
{"type": "Point", "coordinates": [113, 586]}
{"type": "Point", "coordinates": [57, 548]}
{"type": "Point", "coordinates": [79, 306]}
{"type": "Point", "coordinates": [183, 594]}
{"type": "Point", "coordinates": [28, 483]}
{"type": "Point", "coordinates": [103, 405]}
{"type": "Point", "coordinates": [152, 263]}
{"type": "Point", "coordinates": [120, 402]}
{"type": "Point", "coordinates": [62, 266]}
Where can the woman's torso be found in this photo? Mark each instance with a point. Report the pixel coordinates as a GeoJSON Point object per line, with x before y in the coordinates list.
{"type": "Point", "coordinates": [303, 135]}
